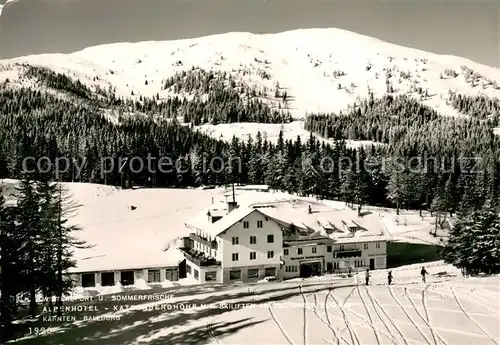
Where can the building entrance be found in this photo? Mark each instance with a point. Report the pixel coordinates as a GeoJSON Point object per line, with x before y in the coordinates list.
{"type": "Point", "coordinates": [309, 269]}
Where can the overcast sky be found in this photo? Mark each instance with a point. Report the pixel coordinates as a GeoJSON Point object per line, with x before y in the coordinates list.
{"type": "Point", "coordinates": [468, 28]}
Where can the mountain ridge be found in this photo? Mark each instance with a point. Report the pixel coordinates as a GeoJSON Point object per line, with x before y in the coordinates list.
{"type": "Point", "coordinates": [322, 70]}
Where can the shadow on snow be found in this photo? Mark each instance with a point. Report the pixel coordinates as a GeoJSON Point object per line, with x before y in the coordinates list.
{"type": "Point", "coordinates": [135, 323]}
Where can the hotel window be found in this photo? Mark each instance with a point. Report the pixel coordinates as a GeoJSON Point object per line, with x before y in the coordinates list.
{"type": "Point", "coordinates": [153, 276]}
{"type": "Point", "coordinates": [270, 272]}
{"type": "Point", "coordinates": [341, 247]}
{"type": "Point", "coordinates": [329, 249]}
{"type": "Point", "coordinates": [259, 224]}
{"type": "Point", "coordinates": [299, 251]}
{"type": "Point", "coordinates": [210, 276]}
{"type": "Point", "coordinates": [285, 251]}
{"type": "Point", "coordinates": [253, 273]}
{"type": "Point", "coordinates": [377, 245]}
{"type": "Point", "coordinates": [270, 238]}
{"type": "Point", "coordinates": [235, 256]}
{"type": "Point", "coordinates": [270, 254]}
{"type": "Point", "coordinates": [314, 250]}
{"type": "Point", "coordinates": [253, 239]}
{"type": "Point", "coordinates": [88, 280]}
{"type": "Point", "coordinates": [365, 246]}
{"type": "Point", "coordinates": [253, 255]}
{"type": "Point", "coordinates": [196, 274]}
{"type": "Point", "coordinates": [246, 225]}
{"type": "Point", "coordinates": [234, 275]}
{"type": "Point", "coordinates": [235, 240]}
{"type": "Point", "coordinates": [108, 279]}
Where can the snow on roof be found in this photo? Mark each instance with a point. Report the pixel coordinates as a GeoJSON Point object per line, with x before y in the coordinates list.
{"type": "Point", "coordinates": [215, 229]}
{"type": "Point", "coordinates": [369, 225]}
{"type": "Point", "coordinates": [217, 212]}
{"type": "Point", "coordinates": [253, 187]}
{"type": "Point", "coordinates": [109, 262]}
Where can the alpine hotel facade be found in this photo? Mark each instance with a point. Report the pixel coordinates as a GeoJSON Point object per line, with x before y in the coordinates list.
{"type": "Point", "coordinates": [283, 240]}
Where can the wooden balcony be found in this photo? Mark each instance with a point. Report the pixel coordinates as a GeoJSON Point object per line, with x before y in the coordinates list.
{"type": "Point", "coordinates": [199, 258]}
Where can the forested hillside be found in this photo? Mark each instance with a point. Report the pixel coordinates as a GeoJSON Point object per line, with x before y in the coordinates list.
{"type": "Point", "coordinates": [448, 161]}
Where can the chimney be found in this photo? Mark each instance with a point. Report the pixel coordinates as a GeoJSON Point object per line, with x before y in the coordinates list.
{"type": "Point", "coordinates": [232, 205]}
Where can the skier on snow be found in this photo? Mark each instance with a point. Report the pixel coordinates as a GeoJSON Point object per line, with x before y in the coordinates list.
{"type": "Point", "coordinates": [389, 277]}
{"type": "Point", "coordinates": [423, 272]}
{"type": "Point", "coordinates": [367, 276]}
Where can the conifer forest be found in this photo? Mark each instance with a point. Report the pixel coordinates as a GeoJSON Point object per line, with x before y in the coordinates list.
{"type": "Point", "coordinates": [421, 160]}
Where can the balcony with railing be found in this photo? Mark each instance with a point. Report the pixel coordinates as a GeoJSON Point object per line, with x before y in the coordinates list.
{"type": "Point", "coordinates": [203, 241]}
{"type": "Point", "coordinates": [199, 258]}
{"type": "Point", "coordinates": [348, 253]}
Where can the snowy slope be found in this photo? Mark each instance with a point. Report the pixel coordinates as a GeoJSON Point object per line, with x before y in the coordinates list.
{"type": "Point", "coordinates": [446, 310]}
{"type": "Point", "coordinates": [306, 63]}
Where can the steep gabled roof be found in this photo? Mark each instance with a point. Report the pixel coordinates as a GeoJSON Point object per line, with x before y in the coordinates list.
{"type": "Point", "coordinates": [215, 229]}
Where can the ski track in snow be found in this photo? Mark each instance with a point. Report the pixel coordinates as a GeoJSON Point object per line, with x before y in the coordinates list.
{"type": "Point", "coordinates": [403, 308]}
{"type": "Point", "coordinates": [326, 323]}
{"type": "Point", "coordinates": [424, 319]}
{"type": "Point", "coordinates": [304, 315]}
{"type": "Point", "coordinates": [280, 326]}
{"type": "Point", "coordinates": [352, 330]}
{"type": "Point", "coordinates": [374, 304]}
{"type": "Point", "coordinates": [428, 318]}
{"type": "Point", "coordinates": [391, 320]}
{"type": "Point", "coordinates": [210, 332]}
{"type": "Point", "coordinates": [327, 315]}
{"type": "Point", "coordinates": [479, 299]}
{"type": "Point", "coordinates": [372, 323]}
{"type": "Point", "coordinates": [366, 321]}
{"type": "Point", "coordinates": [460, 305]}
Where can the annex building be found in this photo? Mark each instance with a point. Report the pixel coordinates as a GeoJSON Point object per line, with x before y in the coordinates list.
{"type": "Point", "coordinates": [288, 239]}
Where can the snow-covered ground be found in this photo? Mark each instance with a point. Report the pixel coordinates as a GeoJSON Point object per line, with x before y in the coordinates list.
{"type": "Point", "coordinates": [322, 70]}
{"type": "Point", "coordinates": [327, 310]}
{"type": "Point", "coordinates": [269, 131]}
{"type": "Point", "coordinates": [131, 228]}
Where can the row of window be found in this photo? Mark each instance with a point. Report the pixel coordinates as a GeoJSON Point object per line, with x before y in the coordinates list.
{"type": "Point", "coordinates": [253, 239]}
{"type": "Point", "coordinates": [252, 273]}
{"type": "Point", "coordinates": [246, 224]}
{"type": "Point", "coordinates": [127, 277]}
{"type": "Point", "coordinates": [253, 255]}
{"type": "Point", "coordinates": [300, 251]}
{"type": "Point", "coordinates": [291, 269]}
{"type": "Point", "coordinates": [359, 263]}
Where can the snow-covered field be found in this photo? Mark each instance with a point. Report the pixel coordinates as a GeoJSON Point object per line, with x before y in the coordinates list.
{"type": "Point", "coordinates": [131, 228]}
{"type": "Point", "coordinates": [270, 132]}
{"type": "Point", "coordinates": [322, 70]}
{"type": "Point", "coordinates": [446, 310]}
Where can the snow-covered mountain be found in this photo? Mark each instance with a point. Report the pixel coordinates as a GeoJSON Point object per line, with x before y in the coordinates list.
{"type": "Point", "coordinates": [321, 70]}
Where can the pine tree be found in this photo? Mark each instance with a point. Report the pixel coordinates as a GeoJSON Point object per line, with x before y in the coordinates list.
{"type": "Point", "coordinates": [399, 187]}
{"type": "Point", "coordinates": [30, 232]}
{"type": "Point", "coordinates": [474, 242]}
{"type": "Point", "coordinates": [65, 242]}
{"type": "Point", "coordinates": [8, 267]}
